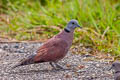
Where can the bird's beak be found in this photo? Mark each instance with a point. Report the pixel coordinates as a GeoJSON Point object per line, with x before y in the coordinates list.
{"type": "Point", "coordinates": [79, 26]}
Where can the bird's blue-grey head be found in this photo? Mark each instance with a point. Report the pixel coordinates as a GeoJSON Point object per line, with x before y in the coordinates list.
{"type": "Point", "coordinates": [116, 66]}
{"type": "Point", "coordinates": [72, 24]}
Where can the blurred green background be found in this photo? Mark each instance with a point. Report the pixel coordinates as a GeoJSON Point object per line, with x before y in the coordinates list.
{"type": "Point", "coordinates": [41, 19]}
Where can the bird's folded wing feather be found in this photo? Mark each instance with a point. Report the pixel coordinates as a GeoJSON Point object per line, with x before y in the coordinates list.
{"type": "Point", "coordinates": [51, 50]}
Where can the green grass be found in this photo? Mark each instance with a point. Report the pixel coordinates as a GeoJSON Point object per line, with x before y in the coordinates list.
{"type": "Point", "coordinates": [100, 20]}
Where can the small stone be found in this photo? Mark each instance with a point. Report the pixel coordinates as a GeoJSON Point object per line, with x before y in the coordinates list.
{"type": "Point", "coordinates": [81, 66]}
{"type": "Point", "coordinates": [16, 46]}
{"type": "Point", "coordinates": [1, 50]}
{"type": "Point", "coordinates": [97, 65]}
{"type": "Point", "coordinates": [5, 47]}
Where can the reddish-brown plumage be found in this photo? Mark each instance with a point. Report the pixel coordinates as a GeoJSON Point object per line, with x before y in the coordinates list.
{"type": "Point", "coordinates": [55, 48]}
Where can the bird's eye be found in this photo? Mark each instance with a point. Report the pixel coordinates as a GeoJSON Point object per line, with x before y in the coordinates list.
{"type": "Point", "coordinates": [113, 65]}
{"type": "Point", "coordinates": [73, 23]}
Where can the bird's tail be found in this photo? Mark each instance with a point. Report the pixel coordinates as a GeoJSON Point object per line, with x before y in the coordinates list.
{"type": "Point", "coordinates": [24, 62]}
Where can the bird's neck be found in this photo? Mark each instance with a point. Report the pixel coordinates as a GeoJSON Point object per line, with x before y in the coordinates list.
{"type": "Point", "coordinates": [66, 35]}
{"type": "Point", "coordinates": [66, 30]}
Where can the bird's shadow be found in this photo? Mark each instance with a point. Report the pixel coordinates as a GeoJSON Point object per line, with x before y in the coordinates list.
{"type": "Point", "coordinates": [24, 72]}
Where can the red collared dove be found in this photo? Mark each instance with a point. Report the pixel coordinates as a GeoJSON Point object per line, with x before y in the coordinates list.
{"type": "Point", "coordinates": [116, 67]}
{"type": "Point", "coordinates": [54, 49]}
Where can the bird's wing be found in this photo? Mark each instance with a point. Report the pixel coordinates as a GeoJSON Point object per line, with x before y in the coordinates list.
{"type": "Point", "coordinates": [51, 50]}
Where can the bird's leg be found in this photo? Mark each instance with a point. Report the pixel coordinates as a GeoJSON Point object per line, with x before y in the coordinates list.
{"type": "Point", "coordinates": [58, 66]}
{"type": "Point", "coordinates": [52, 65]}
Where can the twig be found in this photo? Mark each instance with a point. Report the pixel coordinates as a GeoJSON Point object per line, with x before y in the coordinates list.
{"type": "Point", "coordinates": [105, 32]}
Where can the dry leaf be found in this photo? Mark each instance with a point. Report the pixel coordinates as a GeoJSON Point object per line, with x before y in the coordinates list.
{"type": "Point", "coordinates": [68, 65]}
{"type": "Point", "coordinates": [68, 76]}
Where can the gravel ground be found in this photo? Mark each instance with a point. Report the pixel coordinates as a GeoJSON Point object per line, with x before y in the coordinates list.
{"type": "Point", "coordinates": [77, 67]}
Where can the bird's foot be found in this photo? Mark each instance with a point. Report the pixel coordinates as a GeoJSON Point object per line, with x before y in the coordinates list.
{"type": "Point", "coordinates": [53, 66]}
{"type": "Point", "coordinates": [56, 66]}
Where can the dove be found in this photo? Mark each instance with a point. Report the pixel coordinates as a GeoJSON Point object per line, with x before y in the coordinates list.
{"type": "Point", "coordinates": [116, 67]}
{"type": "Point", "coordinates": [54, 49]}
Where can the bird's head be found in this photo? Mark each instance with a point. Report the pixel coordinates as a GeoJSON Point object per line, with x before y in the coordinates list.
{"type": "Point", "coordinates": [116, 66]}
{"type": "Point", "coordinates": [72, 24]}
